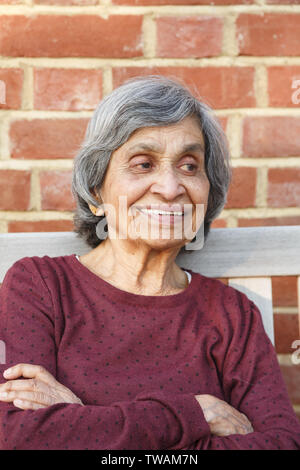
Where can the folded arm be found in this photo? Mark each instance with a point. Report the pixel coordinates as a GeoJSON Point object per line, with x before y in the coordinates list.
{"type": "Point", "coordinates": [253, 385]}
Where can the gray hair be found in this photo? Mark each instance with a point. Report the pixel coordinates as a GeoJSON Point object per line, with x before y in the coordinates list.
{"type": "Point", "coordinates": [142, 102]}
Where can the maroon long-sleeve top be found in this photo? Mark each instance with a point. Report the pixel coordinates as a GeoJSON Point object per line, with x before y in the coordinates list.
{"type": "Point", "coordinates": [137, 362]}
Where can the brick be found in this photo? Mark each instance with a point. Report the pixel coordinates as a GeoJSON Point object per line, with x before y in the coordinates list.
{"type": "Point", "coordinates": [190, 36]}
{"type": "Point", "coordinates": [219, 87]}
{"type": "Point", "coordinates": [223, 121]}
{"type": "Point", "coordinates": [46, 138]}
{"type": "Point", "coordinates": [66, 2]}
{"type": "Point", "coordinates": [11, 88]}
{"type": "Point", "coordinates": [67, 89]}
{"type": "Point", "coordinates": [56, 191]}
{"type": "Point", "coordinates": [40, 226]}
{"type": "Point", "coordinates": [291, 377]}
{"type": "Point", "coordinates": [271, 136]}
{"type": "Point", "coordinates": [219, 223]}
{"type": "Point", "coordinates": [285, 326]}
{"type": "Point", "coordinates": [268, 34]}
{"type": "Point", "coordinates": [183, 2]}
{"type": "Point", "coordinates": [284, 291]}
{"type": "Point", "coordinates": [242, 191]}
{"type": "Point", "coordinates": [269, 221]}
{"type": "Point", "coordinates": [283, 187]}
{"type": "Point", "coordinates": [71, 36]}
{"type": "Point", "coordinates": [280, 86]}
{"type": "Point", "coordinates": [14, 190]}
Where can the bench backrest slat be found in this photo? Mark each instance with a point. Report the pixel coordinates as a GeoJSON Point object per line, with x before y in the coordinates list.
{"type": "Point", "coordinates": [230, 252]}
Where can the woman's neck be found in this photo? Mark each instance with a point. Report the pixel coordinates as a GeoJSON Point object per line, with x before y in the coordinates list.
{"type": "Point", "coordinates": [137, 269]}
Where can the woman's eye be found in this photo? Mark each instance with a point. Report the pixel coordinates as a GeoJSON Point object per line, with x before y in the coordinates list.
{"type": "Point", "coordinates": [144, 165]}
{"type": "Point", "coordinates": [189, 166]}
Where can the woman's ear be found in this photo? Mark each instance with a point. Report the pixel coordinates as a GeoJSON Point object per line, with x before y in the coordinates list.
{"type": "Point", "coordinates": [98, 211]}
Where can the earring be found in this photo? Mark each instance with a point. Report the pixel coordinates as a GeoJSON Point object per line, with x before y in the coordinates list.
{"type": "Point", "coordinates": [98, 211]}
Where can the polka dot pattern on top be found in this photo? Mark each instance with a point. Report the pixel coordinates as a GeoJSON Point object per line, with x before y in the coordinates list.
{"type": "Point", "coordinates": [137, 362]}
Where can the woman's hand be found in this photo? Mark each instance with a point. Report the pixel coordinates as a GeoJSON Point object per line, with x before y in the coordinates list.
{"type": "Point", "coordinates": [222, 418]}
{"type": "Point", "coordinates": [39, 390]}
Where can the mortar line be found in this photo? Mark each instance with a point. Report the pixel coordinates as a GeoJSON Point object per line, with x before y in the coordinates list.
{"type": "Point", "coordinates": [96, 62]}
{"type": "Point", "coordinates": [107, 8]}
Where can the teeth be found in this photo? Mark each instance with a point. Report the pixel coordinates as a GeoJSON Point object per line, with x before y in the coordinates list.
{"type": "Point", "coordinates": [154, 211]}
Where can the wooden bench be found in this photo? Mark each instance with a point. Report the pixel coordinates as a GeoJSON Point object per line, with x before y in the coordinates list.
{"type": "Point", "coordinates": [248, 257]}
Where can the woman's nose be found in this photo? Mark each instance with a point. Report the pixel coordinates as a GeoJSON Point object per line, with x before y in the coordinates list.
{"type": "Point", "coordinates": [168, 185]}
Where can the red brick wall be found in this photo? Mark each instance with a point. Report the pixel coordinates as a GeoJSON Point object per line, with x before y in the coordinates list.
{"type": "Point", "coordinates": [58, 58]}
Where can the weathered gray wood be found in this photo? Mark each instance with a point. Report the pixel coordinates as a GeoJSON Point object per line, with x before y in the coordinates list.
{"type": "Point", "coordinates": [248, 252]}
{"type": "Point", "coordinates": [231, 252]}
{"type": "Point", "coordinates": [14, 246]}
{"type": "Point", "coordinates": [259, 290]}
{"type": "Point", "coordinates": [298, 292]}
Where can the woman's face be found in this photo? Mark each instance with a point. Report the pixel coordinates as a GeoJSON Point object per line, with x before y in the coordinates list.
{"type": "Point", "coordinates": [155, 190]}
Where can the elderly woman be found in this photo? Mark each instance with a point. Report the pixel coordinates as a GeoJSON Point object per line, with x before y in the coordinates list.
{"type": "Point", "coordinates": [120, 348]}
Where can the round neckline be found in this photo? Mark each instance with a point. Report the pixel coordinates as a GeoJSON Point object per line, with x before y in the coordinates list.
{"type": "Point", "coordinates": [116, 294]}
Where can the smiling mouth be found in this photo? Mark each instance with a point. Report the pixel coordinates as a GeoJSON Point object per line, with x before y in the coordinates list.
{"type": "Point", "coordinates": [161, 212]}
{"type": "Point", "coordinates": [176, 210]}
{"type": "Point", "coordinates": [164, 217]}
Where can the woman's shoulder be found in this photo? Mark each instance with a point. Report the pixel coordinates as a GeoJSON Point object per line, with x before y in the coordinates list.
{"type": "Point", "coordinates": [226, 299]}
{"type": "Point", "coordinates": [211, 285]}
{"type": "Point", "coordinates": [41, 261]}
{"type": "Point", "coordinates": [44, 268]}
